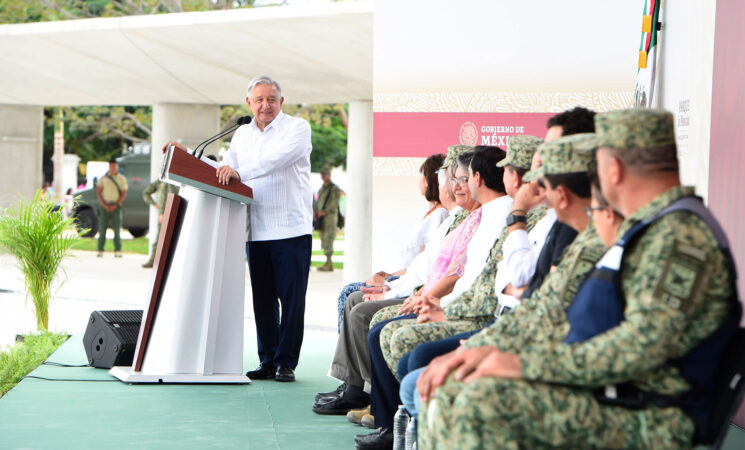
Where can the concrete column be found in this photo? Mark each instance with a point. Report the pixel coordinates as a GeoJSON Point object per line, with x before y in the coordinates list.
{"type": "Point", "coordinates": [358, 233]}
{"type": "Point", "coordinates": [70, 172]}
{"type": "Point", "coordinates": [187, 124]}
{"type": "Point", "coordinates": [21, 150]}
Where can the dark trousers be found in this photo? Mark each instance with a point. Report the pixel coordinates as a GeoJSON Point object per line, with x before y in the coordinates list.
{"type": "Point", "coordinates": [279, 274]}
{"type": "Point", "coordinates": [424, 353]}
{"type": "Point", "coordinates": [110, 219]}
{"type": "Point", "coordinates": [384, 386]}
{"type": "Point", "coordinates": [384, 392]}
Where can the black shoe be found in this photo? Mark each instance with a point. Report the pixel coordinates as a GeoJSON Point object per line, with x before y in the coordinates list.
{"type": "Point", "coordinates": [325, 397]}
{"type": "Point", "coordinates": [353, 397]}
{"type": "Point", "coordinates": [284, 373]}
{"type": "Point", "coordinates": [381, 439]}
{"type": "Point", "coordinates": [263, 372]}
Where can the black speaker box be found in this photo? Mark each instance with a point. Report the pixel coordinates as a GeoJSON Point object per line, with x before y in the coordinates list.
{"type": "Point", "coordinates": [111, 337]}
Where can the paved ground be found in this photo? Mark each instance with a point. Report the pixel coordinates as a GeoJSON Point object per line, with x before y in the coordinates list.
{"type": "Point", "coordinates": [120, 283]}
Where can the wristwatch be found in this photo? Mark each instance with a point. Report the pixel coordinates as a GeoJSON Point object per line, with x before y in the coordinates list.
{"type": "Point", "coordinates": [513, 219]}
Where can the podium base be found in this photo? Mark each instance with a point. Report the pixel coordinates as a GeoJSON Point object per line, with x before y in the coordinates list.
{"type": "Point", "coordinates": [127, 375]}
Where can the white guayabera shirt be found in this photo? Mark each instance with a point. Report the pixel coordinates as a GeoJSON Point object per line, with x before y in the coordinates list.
{"type": "Point", "coordinates": [275, 163]}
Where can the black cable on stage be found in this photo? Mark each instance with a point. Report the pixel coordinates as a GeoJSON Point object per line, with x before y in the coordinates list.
{"type": "Point", "coordinates": [56, 364]}
{"type": "Point", "coordinates": [70, 379]}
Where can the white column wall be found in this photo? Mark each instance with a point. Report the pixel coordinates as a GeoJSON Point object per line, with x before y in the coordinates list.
{"type": "Point", "coordinates": [21, 150]}
{"type": "Point", "coordinates": [684, 83]}
{"type": "Point", "coordinates": [358, 232]}
{"type": "Point", "coordinates": [187, 124]}
{"type": "Point", "coordinates": [70, 172]}
{"type": "Point", "coordinates": [398, 209]}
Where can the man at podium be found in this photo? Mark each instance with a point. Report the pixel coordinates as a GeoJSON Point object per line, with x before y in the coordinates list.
{"type": "Point", "coordinates": [272, 155]}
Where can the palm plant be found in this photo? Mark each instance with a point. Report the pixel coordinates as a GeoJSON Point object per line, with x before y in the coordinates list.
{"type": "Point", "coordinates": [36, 235]}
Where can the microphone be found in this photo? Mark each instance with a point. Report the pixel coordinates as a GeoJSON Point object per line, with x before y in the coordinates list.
{"type": "Point", "coordinates": [241, 121]}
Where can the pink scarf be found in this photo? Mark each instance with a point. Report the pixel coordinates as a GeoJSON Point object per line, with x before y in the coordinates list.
{"type": "Point", "coordinates": [452, 257]}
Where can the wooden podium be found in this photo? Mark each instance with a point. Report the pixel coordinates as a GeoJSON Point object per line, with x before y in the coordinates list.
{"type": "Point", "coordinates": [192, 329]}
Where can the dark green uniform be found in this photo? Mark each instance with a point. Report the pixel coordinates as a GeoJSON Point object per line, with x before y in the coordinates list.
{"type": "Point", "coordinates": [328, 202]}
{"type": "Point", "coordinates": [161, 190]}
{"type": "Point", "coordinates": [112, 188]}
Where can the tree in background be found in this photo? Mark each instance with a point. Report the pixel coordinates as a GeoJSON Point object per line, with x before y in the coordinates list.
{"type": "Point", "coordinates": [97, 133]}
{"type": "Point", "coordinates": [328, 123]}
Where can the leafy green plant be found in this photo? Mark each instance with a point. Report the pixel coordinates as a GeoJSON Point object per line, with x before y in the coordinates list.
{"type": "Point", "coordinates": [26, 356]}
{"type": "Point", "coordinates": [40, 238]}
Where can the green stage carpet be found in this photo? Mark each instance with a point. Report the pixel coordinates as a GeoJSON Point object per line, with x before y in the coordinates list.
{"type": "Point", "coordinates": [41, 414]}
{"type": "Point", "coordinates": [264, 415]}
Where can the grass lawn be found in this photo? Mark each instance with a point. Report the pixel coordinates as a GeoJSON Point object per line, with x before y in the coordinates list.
{"type": "Point", "coordinates": [339, 235]}
{"type": "Point", "coordinates": [320, 252]}
{"type": "Point", "coordinates": [337, 265]}
{"type": "Point", "coordinates": [138, 246]}
{"type": "Point", "coordinates": [26, 356]}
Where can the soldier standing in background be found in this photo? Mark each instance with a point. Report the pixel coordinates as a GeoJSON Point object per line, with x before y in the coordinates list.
{"type": "Point", "coordinates": [326, 211]}
{"type": "Point", "coordinates": [162, 189]}
{"type": "Point", "coordinates": [111, 191]}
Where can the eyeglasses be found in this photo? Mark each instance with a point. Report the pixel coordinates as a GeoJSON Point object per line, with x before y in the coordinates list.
{"type": "Point", "coordinates": [462, 180]}
{"type": "Point", "coordinates": [590, 209]}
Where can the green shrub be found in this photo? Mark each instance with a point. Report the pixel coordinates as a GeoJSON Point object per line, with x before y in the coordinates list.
{"type": "Point", "coordinates": [39, 238]}
{"type": "Point", "coordinates": [26, 356]}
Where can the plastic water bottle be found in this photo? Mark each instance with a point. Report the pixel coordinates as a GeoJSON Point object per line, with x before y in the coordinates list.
{"type": "Point", "coordinates": [400, 421]}
{"type": "Point", "coordinates": [411, 434]}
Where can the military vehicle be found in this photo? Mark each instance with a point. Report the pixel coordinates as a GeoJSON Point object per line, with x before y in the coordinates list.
{"type": "Point", "coordinates": [136, 215]}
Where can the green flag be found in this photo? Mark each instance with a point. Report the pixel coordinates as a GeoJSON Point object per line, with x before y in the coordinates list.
{"type": "Point", "coordinates": [645, 77]}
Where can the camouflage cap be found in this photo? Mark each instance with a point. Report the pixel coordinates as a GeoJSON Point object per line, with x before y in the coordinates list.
{"type": "Point", "coordinates": [326, 168]}
{"type": "Point", "coordinates": [453, 152]}
{"type": "Point", "coordinates": [520, 149]}
{"type": "Point", "coordinates": [635, 129]}
{"type": "Point", "coordinates": [569, 154]}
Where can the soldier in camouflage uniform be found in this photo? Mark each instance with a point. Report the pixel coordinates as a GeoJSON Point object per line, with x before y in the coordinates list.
{"type": "Point", "coordinates": [476, 306]}
{"type": "Point", "coordinates": [327, 210]}
{"type": "Point", "coordinates": [676, 286]}
{"type": "Point", "coordinates": [162, 190]}
{"type": "Point", "coordinates": [409, 336]}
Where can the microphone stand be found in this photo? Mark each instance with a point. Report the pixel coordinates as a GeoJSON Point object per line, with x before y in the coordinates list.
{"type": "Point", "coordinates": [207, 142]}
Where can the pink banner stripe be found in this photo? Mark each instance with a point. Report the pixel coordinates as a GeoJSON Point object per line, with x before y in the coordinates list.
{"type": "Point", "coordinates": [421, 134]}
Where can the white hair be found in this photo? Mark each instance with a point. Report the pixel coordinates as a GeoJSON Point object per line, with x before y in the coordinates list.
{"type": "Point", "coordinates": [262, 79]}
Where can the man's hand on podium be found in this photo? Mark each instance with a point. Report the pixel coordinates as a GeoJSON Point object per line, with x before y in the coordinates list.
{"type": "Point", "coordinates": [225, 173]}
{"type": "Point", "coordinates": [175, 144]}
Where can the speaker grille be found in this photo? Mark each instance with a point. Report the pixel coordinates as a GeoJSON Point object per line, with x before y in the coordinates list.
{"type": "Point", "coordinates": [111, 337]}
{"type": "Point", "coordinates": [124, 316]}
{"type": "Point", "coordinates": [130, 333]}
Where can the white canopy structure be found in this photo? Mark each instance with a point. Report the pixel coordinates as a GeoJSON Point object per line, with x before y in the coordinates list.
{"type": "Point", "coordinates": [186, 65]}
{"type": "Point", "coordinates": [319, 53]}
